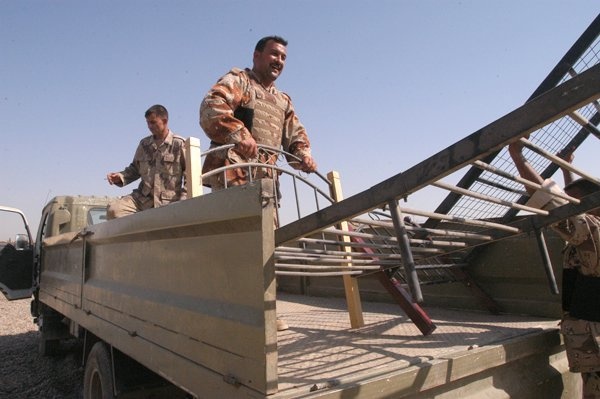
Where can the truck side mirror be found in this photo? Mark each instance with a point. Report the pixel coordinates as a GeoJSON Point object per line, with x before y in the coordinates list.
{"type": "Point", "coordinates": [21, 242]}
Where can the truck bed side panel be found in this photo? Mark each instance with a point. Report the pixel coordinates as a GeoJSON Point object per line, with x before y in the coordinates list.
{"type": "Point", "coordinates": [61, 274]}
{"type": "Point", "coordinates": [188, 290]}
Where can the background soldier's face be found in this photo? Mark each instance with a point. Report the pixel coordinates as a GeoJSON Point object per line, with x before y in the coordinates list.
{"type": "Point", "coordinates": [156, 125]}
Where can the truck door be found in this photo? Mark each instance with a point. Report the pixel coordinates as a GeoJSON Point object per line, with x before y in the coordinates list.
{"type": "Point", "coordinates": [16, 255]}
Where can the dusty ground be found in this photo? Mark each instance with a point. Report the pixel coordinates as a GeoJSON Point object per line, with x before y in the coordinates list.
{"type": "Point", "coordinates": [24, 374]}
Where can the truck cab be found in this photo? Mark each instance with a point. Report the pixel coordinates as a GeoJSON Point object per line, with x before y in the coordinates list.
{"type": "Point", "coordinates": [21, 257]}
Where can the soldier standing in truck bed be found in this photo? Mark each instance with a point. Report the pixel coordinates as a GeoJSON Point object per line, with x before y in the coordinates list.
{"type": "Point", "coordinates": [580, 325]}
{"type": "Point", "coordinates": [159, 161]}
{"type": "Point", "coordinates": [245, 108]}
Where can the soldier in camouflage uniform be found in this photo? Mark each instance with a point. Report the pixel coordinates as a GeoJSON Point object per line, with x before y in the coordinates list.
{"type": "Point", "coordinates": [580, 325]}
{"type": "Point", "coordinates": [245, 108]}
{"type": "Point", "coordinates": [159, 161]}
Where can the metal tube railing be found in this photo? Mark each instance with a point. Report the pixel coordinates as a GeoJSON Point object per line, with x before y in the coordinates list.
{"type": "Point", "coordinates": [523, 181]}
{"type": "Point", "coordinates": [365, 245]}
{"type": "Point", "coordinates": [559, 161]}
{"type": "Point", "coordinates": [410, 274]}
{"type": "Point", "coordinates": [488, 198]}
{"type": "Point", "coordinates": [393, 239]}
{"type": "Point", "coordinates": [438, 232]}
{"type": "Point", "coordinates": [482, 223]}
{"type": "Point", "coordinates": [317, 274]}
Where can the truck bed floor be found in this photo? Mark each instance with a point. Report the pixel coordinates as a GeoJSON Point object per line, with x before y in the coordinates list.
{"type": "Point", "coordinates": [320, 350]}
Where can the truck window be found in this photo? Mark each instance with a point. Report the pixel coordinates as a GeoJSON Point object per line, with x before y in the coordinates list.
{"type": "Point", "coordinates": [96, 215]}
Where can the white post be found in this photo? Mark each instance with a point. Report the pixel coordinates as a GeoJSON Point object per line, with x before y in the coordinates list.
{"type": "Point", "coordinates": [193, 167]}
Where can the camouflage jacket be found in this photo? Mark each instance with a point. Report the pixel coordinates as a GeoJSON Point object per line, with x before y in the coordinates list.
{"type": "Point", "coordinates": [161, 169]}
{"type": "Point", "coordinates": [582, 251]}
{"type": "Point", "coordinates": [235, 106]}
{"type": "Point", "coordinates": [581, 232]}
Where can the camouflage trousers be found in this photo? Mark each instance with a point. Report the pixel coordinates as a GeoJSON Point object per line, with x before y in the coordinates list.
{"type": "Point", "coordinates": [126, 206]}
{"type": "Point", "coordinates": [582, 344]}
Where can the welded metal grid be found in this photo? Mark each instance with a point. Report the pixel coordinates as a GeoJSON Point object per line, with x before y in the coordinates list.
{"type": "Point", "coordinates": [588, 59]}
{"type": "Point", "coordinates": [552, 138]}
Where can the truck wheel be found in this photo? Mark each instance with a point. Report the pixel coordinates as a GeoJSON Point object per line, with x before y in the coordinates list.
{"type": "Point", "coordinates": [98, 379]}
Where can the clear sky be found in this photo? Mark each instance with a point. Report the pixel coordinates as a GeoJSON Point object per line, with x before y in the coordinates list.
{"type": "Point", "coordinates": [379, 85]}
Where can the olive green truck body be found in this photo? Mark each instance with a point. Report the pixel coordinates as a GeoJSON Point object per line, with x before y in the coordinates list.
{"type": "Point", "coordinates": [188, 291]}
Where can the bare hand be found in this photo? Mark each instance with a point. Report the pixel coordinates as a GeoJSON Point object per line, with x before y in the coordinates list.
{"type": "Point", "coordinates": [114, 178]}
{"type": "Point", "coordinates": [247, 147]}
{"type": "Point", "coordinates": [567, 154]}
{"type": "Point", "coordinates": [308, 164]}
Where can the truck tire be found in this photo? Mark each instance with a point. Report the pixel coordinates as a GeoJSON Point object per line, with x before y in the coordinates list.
{"type": "Point", "coordinates": [98, 379]}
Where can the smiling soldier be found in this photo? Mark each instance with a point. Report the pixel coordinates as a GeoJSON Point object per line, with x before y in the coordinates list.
{"type": "Point", "coordinates": [245, 108]}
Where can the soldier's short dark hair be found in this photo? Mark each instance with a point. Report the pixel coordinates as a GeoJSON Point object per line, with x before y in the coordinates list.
{"type": "Point", "coordinates": [157, 110]}
{"type": "Point", "coordinates": [583, 186]}
{"type": "Point", "coordinates": [260, 46]}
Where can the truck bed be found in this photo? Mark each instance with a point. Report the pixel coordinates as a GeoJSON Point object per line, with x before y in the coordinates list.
{"type": "Point", "coordinates": [469, 353]}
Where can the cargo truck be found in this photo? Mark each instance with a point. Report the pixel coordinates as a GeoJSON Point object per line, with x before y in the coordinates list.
{"type": "Point", "coordinates": [183, 297]}
{"type": "Point", "coordinates": [179, 301]}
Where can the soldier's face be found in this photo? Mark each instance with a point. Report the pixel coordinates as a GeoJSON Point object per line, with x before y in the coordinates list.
{"type": "Point", "coordinates": [269, 63]}
{"type": "Point", "coordinates": [156, 125]}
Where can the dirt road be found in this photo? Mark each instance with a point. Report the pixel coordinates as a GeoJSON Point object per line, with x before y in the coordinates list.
{"type": "Point", "coordinates": [24, 374]}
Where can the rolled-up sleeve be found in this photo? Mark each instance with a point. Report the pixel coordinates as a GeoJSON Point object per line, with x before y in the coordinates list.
{"type": "Point", "coordinates": [217, 110]}
{"type": "Point", "coordinates": [574, 229]}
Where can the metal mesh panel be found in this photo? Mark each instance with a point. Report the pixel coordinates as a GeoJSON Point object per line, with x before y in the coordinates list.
{"type": "Point", "coordinates": [552, 138]}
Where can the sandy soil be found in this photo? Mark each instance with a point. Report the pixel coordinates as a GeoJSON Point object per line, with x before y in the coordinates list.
{"type": "Point", "coordinates": [24, 374]}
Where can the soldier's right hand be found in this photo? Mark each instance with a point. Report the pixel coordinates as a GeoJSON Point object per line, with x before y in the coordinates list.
{"type": "Point", "coordinates": [113, 178]}
{"type": "Point", "coordinates": [567, 154]}
{"type": "Point", "coordinates": [247, 147]}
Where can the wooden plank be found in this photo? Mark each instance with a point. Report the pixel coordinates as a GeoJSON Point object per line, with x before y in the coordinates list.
{"type": "Point", "coordinates": [350, 283]}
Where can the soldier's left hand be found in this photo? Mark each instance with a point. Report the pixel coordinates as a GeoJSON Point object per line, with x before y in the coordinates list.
{"type": "Point", "coordinates": [308, 164]}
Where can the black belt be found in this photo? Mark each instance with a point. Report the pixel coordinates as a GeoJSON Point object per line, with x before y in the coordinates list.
{"type": "Point", "coordinates": [585, 302]}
